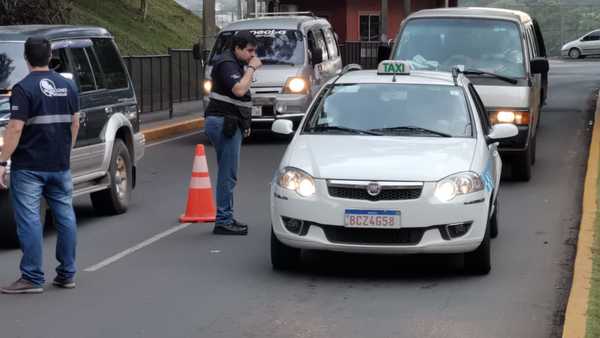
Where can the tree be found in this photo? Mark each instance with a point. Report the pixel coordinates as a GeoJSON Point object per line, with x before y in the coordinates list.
{"type": "Point", "coordinates": [19, 12]}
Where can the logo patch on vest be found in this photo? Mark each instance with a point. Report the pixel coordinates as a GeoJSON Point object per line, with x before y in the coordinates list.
{"type": "Point", "coordinates": [49, 89]}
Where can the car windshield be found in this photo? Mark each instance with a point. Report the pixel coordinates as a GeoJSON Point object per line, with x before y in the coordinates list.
{"type": "Point", "coordinates": [275, 46]}
{"type": "Point", "coordinates": [484, 44]}
{"type": "Point", "coordinates": [12, 69]}
{"type": "Point", "coordinates": [392, 109]}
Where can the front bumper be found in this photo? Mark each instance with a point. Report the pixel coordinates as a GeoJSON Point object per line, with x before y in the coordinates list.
{"type": "Point", "coordinates": [421, 222]}
{"type": "Point", "coordinates": [139, 146]}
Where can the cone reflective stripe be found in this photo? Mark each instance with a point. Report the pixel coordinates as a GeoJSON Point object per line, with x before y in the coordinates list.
{"type": "Point", "coordinates": [200, 204]}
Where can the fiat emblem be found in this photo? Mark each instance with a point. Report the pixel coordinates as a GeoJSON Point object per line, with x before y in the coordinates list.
{"type": "Point", "coordinates": [373, 188]}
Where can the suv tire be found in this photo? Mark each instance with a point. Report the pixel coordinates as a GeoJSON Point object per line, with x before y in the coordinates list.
{"type": "Point", "coordinates": [494, 221]}
{"type": "Point", "coordinates": [115, 199]}
{"type": "Point", "coordinates": [283, 257]}
{"type": "Point", "coordinates": [521, 164]}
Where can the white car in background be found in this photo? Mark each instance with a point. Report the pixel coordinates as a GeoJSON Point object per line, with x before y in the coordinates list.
{"type": "Point", "coordinates": [587, 45]}
{"type": "Point", "coordinates": [390, 162]}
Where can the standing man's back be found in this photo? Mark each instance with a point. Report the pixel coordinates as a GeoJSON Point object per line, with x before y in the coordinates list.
{"type": "Point", "coordinates": [42, 130]}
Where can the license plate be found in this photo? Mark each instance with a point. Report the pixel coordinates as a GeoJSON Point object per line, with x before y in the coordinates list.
{"type": "Point", "coordinates": [385, 219]}
{"type": "Point", "coordinates": [257, 111]}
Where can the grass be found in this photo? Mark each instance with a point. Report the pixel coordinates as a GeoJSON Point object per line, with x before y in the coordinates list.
{"type": "Point", "coordinates": [593, 320]}
{"type": "Point", "coordinates": [167, 24]}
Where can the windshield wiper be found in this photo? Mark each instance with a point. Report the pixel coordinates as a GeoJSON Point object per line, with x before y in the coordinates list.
{"type": "Point", "coordinates": [481, 72]}
{"type": "Point", "coordinates": [414, 129]}
{"type": "Point", "coordinates": [349, 130]}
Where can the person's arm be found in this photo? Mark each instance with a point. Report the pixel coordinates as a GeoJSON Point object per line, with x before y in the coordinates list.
{"type": "Point", "coordinates": [74, 129]}
{"type": "Point", "coordinates": [12, 135]}
{"type": "Point", "coordinates": [243, 86]}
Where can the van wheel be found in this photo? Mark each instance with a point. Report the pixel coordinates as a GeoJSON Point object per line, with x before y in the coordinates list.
{"type": "Point", "coordinates": [494, 221]}
{"type": "Point", "coordinates": [521, 165]}
{"type": "Point", "coordinates": [283, 257]}
{"type": "Point", "coordinates": [533, 150]}
{"type": "Point", "coordinates": [478, 262]}
{"type": "Point", "coordinates": [8, 227]}
{"type": "Point", "coordinates": [115, 199]}
{"type": "Point", "coordinates": [574, 53]}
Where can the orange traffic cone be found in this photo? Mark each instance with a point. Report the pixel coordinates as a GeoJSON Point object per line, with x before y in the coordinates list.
{"type": "Point", "coordinates": [200, 205]}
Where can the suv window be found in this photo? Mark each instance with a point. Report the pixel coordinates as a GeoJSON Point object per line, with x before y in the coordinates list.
{"type": "Point", "coordinates": [110, 62]}
{"type": "Point", "coordinates": [63, 61]}
{"type": "Point", "coordinates": [331, 43]}
{"type": "Point", "coordinates": [83, 70]}
{"type": "Point", "coordinates": [98, 75]}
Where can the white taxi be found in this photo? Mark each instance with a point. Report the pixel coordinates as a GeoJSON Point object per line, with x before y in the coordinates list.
{"type": "Point", "coordinates": [389, 161]}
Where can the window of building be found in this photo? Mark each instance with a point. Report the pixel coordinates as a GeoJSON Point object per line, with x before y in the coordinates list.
{"type": "Point", "coordinates": [369, 27]}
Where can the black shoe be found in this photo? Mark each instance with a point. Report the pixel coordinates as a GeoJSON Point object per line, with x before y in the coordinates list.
{"type": "Point", "coordinates": [230, 229]}
{"type": "Point", "coordinates": [64, 283]}
{"type": "Point", "coordinates": [240, 224]}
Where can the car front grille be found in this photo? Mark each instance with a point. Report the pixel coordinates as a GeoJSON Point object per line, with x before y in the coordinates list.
{"type": "Point", "coordinates": [360, 193]}
{"type": "Point", "coordinates": [343, 235]}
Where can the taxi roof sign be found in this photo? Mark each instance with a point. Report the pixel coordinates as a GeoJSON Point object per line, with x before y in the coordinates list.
{"type": "Point", "coordinates": [393, 67]}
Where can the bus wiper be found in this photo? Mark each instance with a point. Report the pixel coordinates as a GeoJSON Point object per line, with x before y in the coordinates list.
{"type": "Point", "coordinates": [414, 129]}
{"type": "Point", "coordinates": [349, 130]}
{"type": "Point", "coordinates": [481, 72]}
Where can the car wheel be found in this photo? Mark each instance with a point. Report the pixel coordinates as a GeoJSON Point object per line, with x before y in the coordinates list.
{"type": "Point", "coordinates": [8, 227]}
{"type": "Point", "coordinates": [574, 53]}
{"type": "Point", "coordinates": [478, 262]}
{"type": "Point", "coordinates": [521, 165]}
{"type": "Point", "coordinates": [283, 257]}
{"type": "Point", "coordinates": [494, 221]}
{"type": "Point", "coordinates": [115, 199]}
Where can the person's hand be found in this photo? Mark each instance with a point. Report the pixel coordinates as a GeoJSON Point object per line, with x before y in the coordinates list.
{"type": "Point", "coordinates": [255, 63]}
{"type": "Point", "coordinates": [2, 177]}
{"type": "Point", "coordinates": [247, 132]}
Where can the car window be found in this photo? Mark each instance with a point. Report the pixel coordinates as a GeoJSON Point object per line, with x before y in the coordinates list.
{"type": "Point", "coordinates": [59, 56]}
{"type": "Point", "coordinates": [331, 44]}
{"type": "Point", "coordinates": [390, 108]}
{"type": "Point", "coordinates": [82, 70]}
{"type": "Point", "coordinates": [442, 43]}
{"type": "Point", "coordinates": [320, 40]}
{"type": "Point", "coordinates": [481, 112]}
{"type": "Point", "coordinates": [98, 75]}
{"type": "Point", "coordinates": [110, 62]}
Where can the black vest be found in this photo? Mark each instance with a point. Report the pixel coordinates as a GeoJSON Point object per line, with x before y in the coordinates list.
{"type": "Point", "coordinates": [217, 107]}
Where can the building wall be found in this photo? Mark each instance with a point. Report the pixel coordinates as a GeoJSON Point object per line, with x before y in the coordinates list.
{"type": "Point", "coordinates": [333, 10]}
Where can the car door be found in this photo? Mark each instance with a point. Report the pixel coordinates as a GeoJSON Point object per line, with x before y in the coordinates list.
{"type": "Point", "coordinates": [590, 44]}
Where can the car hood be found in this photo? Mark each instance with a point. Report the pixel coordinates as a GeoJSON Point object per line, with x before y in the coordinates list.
{"type": "Point", "coordinates": [380, 158]}
{"type": "Point", "coordinates": [509, 96]}
{"type": "Point", "coordinates": [570, 44]}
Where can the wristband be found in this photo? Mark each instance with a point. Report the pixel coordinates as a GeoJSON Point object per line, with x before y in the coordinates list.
{"type": "Point", "coordinates": [252, 67]}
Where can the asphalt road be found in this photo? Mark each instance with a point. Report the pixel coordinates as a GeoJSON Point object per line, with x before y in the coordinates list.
{"type": "Point", "coordinates": [194, 284]}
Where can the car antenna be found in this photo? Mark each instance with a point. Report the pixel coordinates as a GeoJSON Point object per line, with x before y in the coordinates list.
{"type": "Point", "coordinates": [456, 70]}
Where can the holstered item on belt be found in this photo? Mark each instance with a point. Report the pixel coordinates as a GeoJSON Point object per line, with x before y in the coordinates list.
{"type": "Point", "coordinates": [230, 125]}
{"type": "Point", "coordinates": [246, 117]}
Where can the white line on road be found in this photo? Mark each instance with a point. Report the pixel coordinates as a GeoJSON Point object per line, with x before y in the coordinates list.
{"type": "Point", "coordinates": [174, 139]}
{"type": "Point", "coordinates": [133, 249]}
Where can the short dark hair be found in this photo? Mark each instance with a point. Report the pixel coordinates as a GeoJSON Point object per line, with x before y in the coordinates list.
{"type": "Point", "coordinates": [242, 39]}
{"type": "Point", "coordinates": [38, 51]}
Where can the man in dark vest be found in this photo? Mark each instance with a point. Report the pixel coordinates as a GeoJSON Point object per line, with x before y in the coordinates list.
{"type": "Point", "coordinates": [228, 120]}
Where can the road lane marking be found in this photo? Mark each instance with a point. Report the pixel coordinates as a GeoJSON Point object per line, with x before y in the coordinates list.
{"type": "Point", "coordinates": [135, 248]}
{"type": "Point", "coordinates": [174, 139]}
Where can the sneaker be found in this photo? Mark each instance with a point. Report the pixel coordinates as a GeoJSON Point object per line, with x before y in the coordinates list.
{"type": "Point", "coordinates": [22, 286]}
{"type": "Point", "coordinates": [65, 283]}
{"type": "Point", "coordinates": [230, 229]}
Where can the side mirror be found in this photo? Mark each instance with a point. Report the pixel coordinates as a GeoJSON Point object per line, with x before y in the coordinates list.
{"type": "Point", "coordinates": [197, 51]}
{"type": "Point", "coordinates": [284, 127]}
{"type": "Point", "coordinates": [539, 66]}
{"type": "Point", "coordinates": [383, 53]}
{"type": "Point", "coordinates": [503, 131]}
{"type": "Point", "coordinates": [317, 56]}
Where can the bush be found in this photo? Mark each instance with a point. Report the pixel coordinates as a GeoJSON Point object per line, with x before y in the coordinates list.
{"type": "Point", "coordinates": [20, 12]}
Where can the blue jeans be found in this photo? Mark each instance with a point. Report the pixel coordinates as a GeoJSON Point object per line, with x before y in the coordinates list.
{"type": "Point", "coordinates": [228, 157]}
{"type": "Point", "coordinates": [26, 190]}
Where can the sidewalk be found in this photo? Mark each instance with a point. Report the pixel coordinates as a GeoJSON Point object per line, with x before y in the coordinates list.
{"type": "Point", "coordinates": [187, 117]}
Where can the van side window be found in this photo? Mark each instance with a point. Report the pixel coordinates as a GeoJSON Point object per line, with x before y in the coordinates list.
{"type": "Point", "coordinates": [321, 44]}
{"type": "Point", "coordinates": [594, 36]}
{"type": "Point", "coordinates": [331, 44]}
{"type": "Point", "coordinates": [111, 64]}
{"type": "Point", "coordinates": [63, 61]}
{"type": "Point", "coordinates": [481, 112]}
{"type": "Point", "coordinates": [98, 75]}
{"type": "Point", "coordinates": [83, 71]}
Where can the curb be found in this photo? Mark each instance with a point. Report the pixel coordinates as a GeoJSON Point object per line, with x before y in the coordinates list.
{"type": "Point", "coordinates": [172, 129]}
{"type": "Point", "coordinates": [576, 314]}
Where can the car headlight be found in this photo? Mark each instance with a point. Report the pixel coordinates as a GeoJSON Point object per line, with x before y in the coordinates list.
{"type": "Point", "coordinates": [296, 180]}
{"type": "Point", "coordinates": [295, 85]}
{"type": "Point", "coordinates": [460, 184]}
{"type": "Point", "coordinates": [207, 85]}
{"type": "Point", "coordinates": [509, 116]}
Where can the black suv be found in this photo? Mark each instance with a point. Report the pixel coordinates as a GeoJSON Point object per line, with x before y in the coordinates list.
{"type": "Point", "coordinates": [109, 144]}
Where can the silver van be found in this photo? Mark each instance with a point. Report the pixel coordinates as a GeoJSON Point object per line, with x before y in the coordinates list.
{"type": "Point", "coordinates": [502, 52]}
{"type": "Point", "coordinates": [299, 54]}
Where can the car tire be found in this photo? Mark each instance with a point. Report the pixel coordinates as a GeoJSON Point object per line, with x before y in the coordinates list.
{"type": "Point", "coordinates": [494, 221]}
{"type": "Point", "coordinates": [283, 257]}
{"type": "Point", "coordinates": [478, 262]}
{"type": "Point", "coordinates": [521, 165]}
{"type": "Point", "coordinates": [8, 229]}
{"type": "Point", "coordinates": [574, 53]}
{"type": "Point", "coordinates": [115, 199]}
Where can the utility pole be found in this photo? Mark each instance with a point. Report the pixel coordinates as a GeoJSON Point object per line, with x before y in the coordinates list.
{"type": "Point", "coordinates": [251, 7]}
{"type": "Point", "coordinates": [208, 24]}
{"type": "Point", "coordinates": [407, 8]}
{"type": "Point", "coordinates": [383, 21]}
